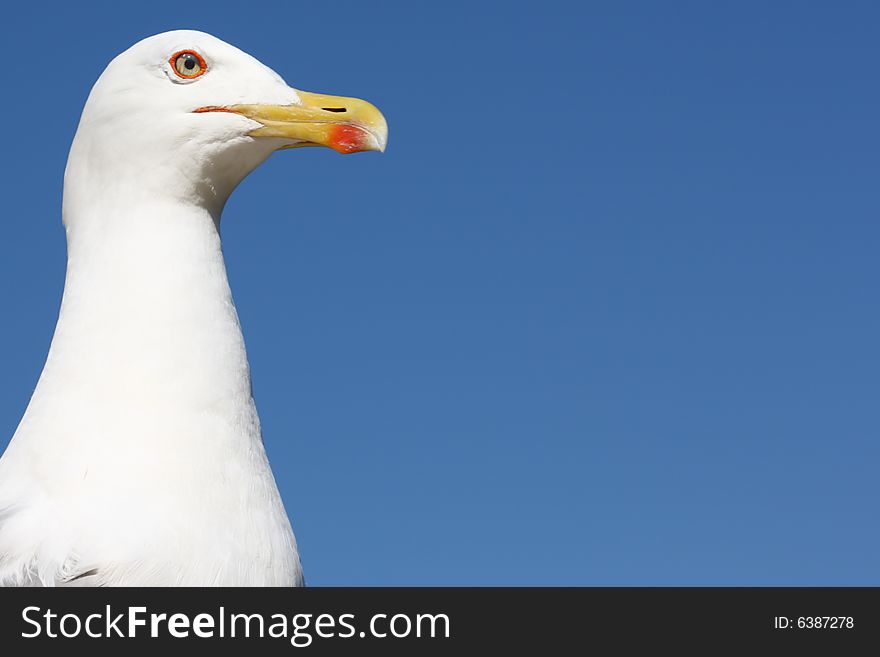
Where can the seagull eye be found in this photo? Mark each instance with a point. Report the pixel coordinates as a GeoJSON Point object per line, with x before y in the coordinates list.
{"type": "Point", "coordinates": [188, 64]}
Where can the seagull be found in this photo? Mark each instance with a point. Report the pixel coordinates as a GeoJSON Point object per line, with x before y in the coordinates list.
{"type": "Point", "coordinates": [140, 460]}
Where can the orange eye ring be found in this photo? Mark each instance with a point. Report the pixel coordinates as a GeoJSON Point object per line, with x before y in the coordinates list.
{"type": "Point", "coordinates": [188, 64]}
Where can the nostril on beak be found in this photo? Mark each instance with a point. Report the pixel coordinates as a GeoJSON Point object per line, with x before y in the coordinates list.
{"type": "Point", "coordinates": [334, 109]}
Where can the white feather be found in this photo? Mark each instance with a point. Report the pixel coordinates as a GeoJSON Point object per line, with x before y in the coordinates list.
{"type": "Point", "coordinates": [139, 460]}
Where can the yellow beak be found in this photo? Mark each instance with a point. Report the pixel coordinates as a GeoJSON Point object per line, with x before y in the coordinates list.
{"type": "Point", "coordinates": [347, 125]}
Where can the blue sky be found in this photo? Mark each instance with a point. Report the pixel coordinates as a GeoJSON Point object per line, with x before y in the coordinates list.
{"type": "Point", "coordinates": [605, 312]}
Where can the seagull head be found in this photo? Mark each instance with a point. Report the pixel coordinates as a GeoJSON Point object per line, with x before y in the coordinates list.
{"type": "Point", "coordinates": [185, 115]}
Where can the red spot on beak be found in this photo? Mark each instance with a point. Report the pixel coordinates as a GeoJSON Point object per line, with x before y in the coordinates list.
{"type": "Point", "coordinates": [347, 138]}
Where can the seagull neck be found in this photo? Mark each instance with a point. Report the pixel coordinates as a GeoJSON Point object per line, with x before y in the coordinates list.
{"type": "Point", "coordinates": [147, 308]}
